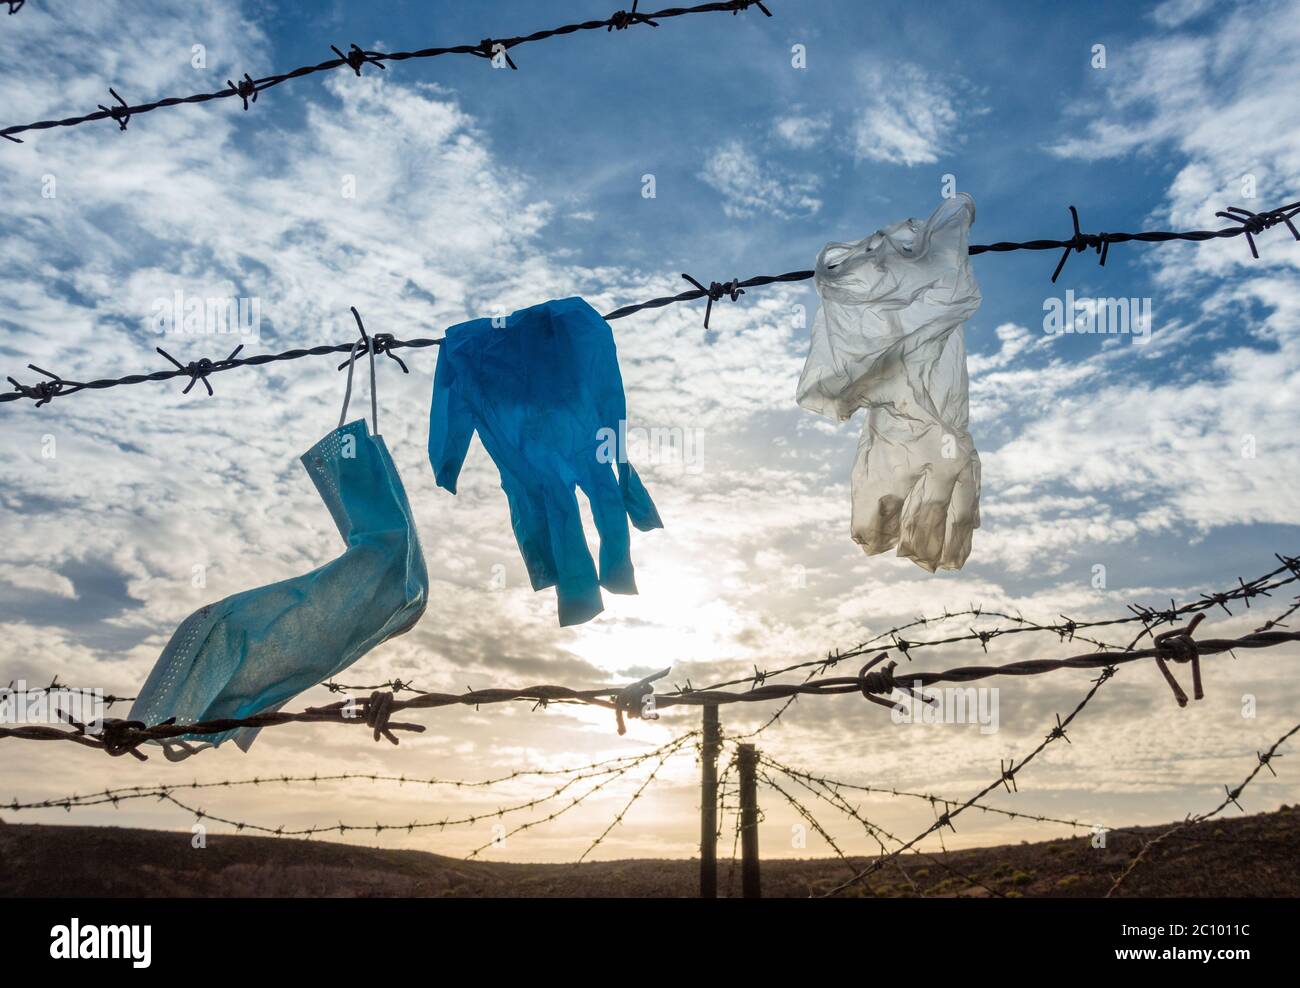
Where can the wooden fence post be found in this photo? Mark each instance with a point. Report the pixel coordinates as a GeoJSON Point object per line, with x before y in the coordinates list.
{"type": "Point", "coordinates": [709, 803]}
{"type": "Point", "coordinates": [747, 764]}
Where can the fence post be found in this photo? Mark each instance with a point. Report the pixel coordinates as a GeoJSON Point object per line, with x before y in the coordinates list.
{"type": "Point", "coordinates": [747, 763]}
{"type": "Point", "coordinates": [709, 803]}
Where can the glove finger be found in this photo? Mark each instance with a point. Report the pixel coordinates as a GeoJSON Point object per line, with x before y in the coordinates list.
{"type": "Point", "coordinates": [963, 516]}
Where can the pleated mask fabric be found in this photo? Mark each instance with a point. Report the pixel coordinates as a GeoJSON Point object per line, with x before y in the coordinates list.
{"type": "Point", "coordinates": [256, 650]}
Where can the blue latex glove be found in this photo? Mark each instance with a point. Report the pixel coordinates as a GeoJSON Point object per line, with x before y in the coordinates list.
{"type": "Point", "coordinates": [544, 393]}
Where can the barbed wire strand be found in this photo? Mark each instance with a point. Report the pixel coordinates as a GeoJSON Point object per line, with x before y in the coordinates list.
{"type": "Point", "coordinates": [57, 687]}
{"type": "Point", "coordinates": [127, 793]}
{"type": "Point", "coordinates": [496, 50]}
{"type": "Point", "coordinates": [618, 818]}
{"type": "Point", "coordinates": [813, 822]}
{"type": "Point", "coordinates": [941, 862]}
{"type": "Point", "coordinates": [1263, 760]}
{"type": "Point", "coordinates": [874, 831]}
{"type": "Point", "coordinates": [1006, 776]}
{"type": "Point", "coordinates": [439, 824]}
{"type": "Point", "coordinates": [54, 386]}
{"type": "Point", "coordinates": [1068, 629]}
{"type": "Point", "coordinates": [1009, 771]}
{"type": "Point", "coordinates": [118, 737]}
{"type": "Point", "coordinates": [936, 801]}
{"type": "Point", "coordinates": [578, 800]}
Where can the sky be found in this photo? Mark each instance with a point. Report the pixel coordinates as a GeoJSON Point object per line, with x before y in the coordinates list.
{"type": "Point", "coordinates": [439, 190]}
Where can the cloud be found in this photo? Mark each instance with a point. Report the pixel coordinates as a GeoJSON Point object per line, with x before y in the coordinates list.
{"type": "Point", "coordinates": [1210, 440]}
{"type": "Point", "coordinates": [909, 116]}
{"type": "Point", "coordinates": [750, 186]}
{"type": "Point", "coordinates": [1173, 13]}
{"type": "Point", "coordinates": [1209, 99]}
{"type": "Point", "coordinates": [1014, 341]}
{"type": "Point", "coordinates": [802, 131]}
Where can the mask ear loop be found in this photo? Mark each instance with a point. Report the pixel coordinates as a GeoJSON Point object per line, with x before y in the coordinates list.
{"type": "Point", "coordinates": [369, 346]}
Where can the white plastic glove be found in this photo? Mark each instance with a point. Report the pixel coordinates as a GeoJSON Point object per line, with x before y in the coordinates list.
{"type": "Point", "coordinates": [888, 338]}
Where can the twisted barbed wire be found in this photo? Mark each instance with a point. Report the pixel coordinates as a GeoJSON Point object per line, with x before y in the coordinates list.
{"type": "Point", "coordinates": [126, 793]}
{"type": "Point", "coordinates": [608, 775]}
{"type": "Point", "coordinates": [1264, 760]}
{"type": "Point", "coordinates": [378, 828]}
{"type": "Point", "coordinates": [946, 802]}
{"type": "Point", "coordinates": [618, 817]}
{"type": "Point", "coordinates": [57, 687]}
{"type": "Point", "coordinates": [1009, 770]}
{"type": "Point", "coordinates": [56, 386]}
{"type": "Point", "coordinates": [1005, 778]}
{"type": "Point", "coordinates": [940, 804]}
{"type": "Point", "coordinates": [813, 822]}
{"type": "Point", "coordinates": [672, 748]}
{"type": "Point", "coordinates": [1068, 629]}
{"type": "Point", "coordinates": [874, 830]}
{"type": "Point", "coordinates": [118, 737]}
{"type": "Point", "coordinates": [496, 50]}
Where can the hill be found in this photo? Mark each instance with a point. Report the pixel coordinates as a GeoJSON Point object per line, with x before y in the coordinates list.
{"type": "Point", "coordinates": [1244, 856]}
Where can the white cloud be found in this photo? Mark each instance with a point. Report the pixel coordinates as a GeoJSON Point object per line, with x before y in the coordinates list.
{"type": "Point", "coordinates": [1013, 342]}
{"type": "Point", "coordinates": [1210, 441]}
{"type": "Point", "coordinates": [909, 116]}
{"type": "Point", "coordinates": [802, 131]}
{"type": "Point", "coordinates": [1173, 13]}
{"type": "Point", "coordinates": [750, 186]}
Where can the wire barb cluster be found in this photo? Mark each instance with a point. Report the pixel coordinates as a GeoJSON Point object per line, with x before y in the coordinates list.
{"type": "Point", "coordinates": [56, 386]}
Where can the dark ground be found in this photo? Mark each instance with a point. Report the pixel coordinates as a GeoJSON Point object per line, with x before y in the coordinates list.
{"type": "Point", "coordinates": [1243, 856]}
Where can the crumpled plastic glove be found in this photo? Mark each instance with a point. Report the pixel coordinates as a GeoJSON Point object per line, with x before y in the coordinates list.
{"type": "Point", "coordinates": [888, 338]}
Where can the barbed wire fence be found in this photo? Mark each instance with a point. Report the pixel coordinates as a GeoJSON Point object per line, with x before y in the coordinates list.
{"type": "Point", "coordinates": [1008, 771]}
{"type": "Point", "coordinates": [1264, 760]}
{"type": "Point", "coordinates": [639, 700]}
{"type": "Point", "coordinates": [1246, 223]}
{"type": "Point", "coordinates": [874, 681]}
{"type": "Point", "coordinates": [603, 774]}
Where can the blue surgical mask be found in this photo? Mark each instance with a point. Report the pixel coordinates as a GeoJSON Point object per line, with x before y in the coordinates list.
{"type": "Point", "coordinates": [253, 652]}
